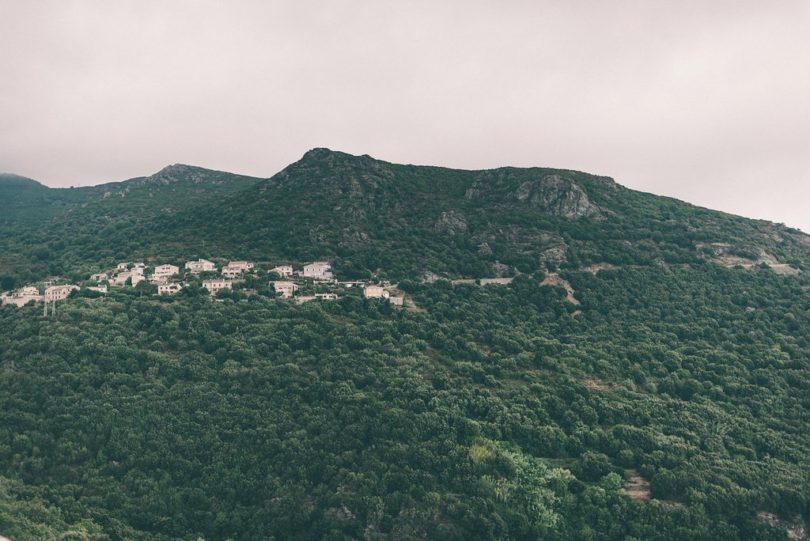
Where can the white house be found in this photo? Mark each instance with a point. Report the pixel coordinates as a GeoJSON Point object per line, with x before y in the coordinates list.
{"type": "Point", "coordinates": [326, 296]}
{"type": "Point", "coordinates": [201, 265]}
{"type": "Point", "coordinates": [284, 288]}
{"type": "Point", "coordinates": [28, 291]}
{"type": "Point", "coordinates": [122, 277]}
{"type": "Point", "coordinates": [100, 289]}
{"type": "Point", "coordinates": [283, 270]}
{"type": "Point", "coordinates": [397, 301]}
{"type": "Point", "coordinates": [375, 292]}
{"type": "Point", "coordinates": [164, 272]}
{"type": "Point", "coordinates": [215, 285]}
{"type": "Point", "coordinates": [240, 265]}
{"type": "Point", "coordinates": [234, 269]}
{"type": "Point", "coordinates": [58, 293]}
{"type": "Point", "coordinates": [318, 270]}
{"type": "Point", "coordinates": [169, 289]}
{"type": "Point", "coordinates": [99, 277]}
{"type": "Point", "coordinates": [122, 266]}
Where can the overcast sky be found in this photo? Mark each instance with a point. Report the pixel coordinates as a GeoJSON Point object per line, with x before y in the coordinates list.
{"type": "Point", "coordinates": [707, 101]}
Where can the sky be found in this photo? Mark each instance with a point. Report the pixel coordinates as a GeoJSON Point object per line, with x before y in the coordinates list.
{"type": "Point", "coordinates": [706, 101]}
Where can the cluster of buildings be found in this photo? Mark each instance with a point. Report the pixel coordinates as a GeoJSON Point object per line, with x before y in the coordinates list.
{"type": "Point", "coordinates": [167, 279]}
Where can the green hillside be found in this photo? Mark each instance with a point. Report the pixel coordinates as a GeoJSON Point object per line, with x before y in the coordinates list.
{"type": "Point", "coordinates": [645, 376]}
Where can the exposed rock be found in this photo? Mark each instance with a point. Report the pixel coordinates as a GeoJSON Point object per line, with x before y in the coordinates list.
{"type": "Point", "coordinates": [554, 253]}
{"type": "Point", "coordinates": [500, 269]}
{"type": "Point", "coordinates": [795, 529]}
{"type": "Point", "coordinates": [558, 196]}
{"type": "Point", "coordinates": [451, 223]}
{"type": "Point", "coordinates": [484, 249]}
{"type": "Point", "coordinates": [355, 238]}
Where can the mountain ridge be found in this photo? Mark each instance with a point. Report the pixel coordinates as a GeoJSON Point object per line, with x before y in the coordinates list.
{"type": "Point", "coordinates": [367, 214]}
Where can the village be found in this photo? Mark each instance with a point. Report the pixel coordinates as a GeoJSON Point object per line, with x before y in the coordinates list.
{"type": "Point", "coordinates": [312, 282]}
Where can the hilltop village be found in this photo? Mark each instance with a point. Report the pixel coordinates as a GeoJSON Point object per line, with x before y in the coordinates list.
{"type": "Point", "coordinates": [313, 282]}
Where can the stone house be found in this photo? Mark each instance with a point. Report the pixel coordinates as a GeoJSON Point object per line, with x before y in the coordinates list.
{"type": "Point", "coordinates": [58, 293]}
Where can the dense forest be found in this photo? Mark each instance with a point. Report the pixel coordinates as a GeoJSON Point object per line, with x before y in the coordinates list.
{"type": "Point", "coordinates": [478, 412]}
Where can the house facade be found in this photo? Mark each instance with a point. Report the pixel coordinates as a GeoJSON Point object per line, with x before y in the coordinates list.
{"type": "Point", "coordinates": [216, 285]}
{"type": "Point", "coordinates": [235, 269]}
{"type": "Point", "coordinates": [21, 297]}
{"type": "Point", "coordinates": [284, 288]}
{"type": "Point", "coordinates": [164, 272]}
{"type": "Point", "coordinates": [201, 265]}
{"type": "Point", "coordinates": [375, 292]}
{"type": "Point", "coordinates": [285, 271]}
{"type": "Point", "coordinates": [169, 289]}
{"type": "Point", "coordinates": [318, 270]}
{"type": "Point", "coordinates": [58, 293]}
{"type": "Point", "coordinates": [99, 277]}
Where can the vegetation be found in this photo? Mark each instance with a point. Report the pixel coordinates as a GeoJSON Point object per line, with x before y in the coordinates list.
{"type": "Point", "coordinates": [484, 412]}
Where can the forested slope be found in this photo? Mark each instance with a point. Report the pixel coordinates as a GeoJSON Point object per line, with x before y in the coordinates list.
{"type": "Point", "coordinates": [681, 365]}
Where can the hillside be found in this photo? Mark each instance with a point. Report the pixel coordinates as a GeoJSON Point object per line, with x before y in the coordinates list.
{"type": "Point", "coordinates": [644, 376]}
{"type": "Point", "coordinates": [371, 216]}
{"type": "Point", "coordinates": [52, 231]}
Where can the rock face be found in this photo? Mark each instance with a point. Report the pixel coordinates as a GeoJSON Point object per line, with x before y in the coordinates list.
{"type": "Point", "coordinates": [558, 196]}
{"type": "Point", "coordinates": [450, 223]}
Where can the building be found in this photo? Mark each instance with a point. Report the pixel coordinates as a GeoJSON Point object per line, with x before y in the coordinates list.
{"type": "Point", "coordinates": [240, 265]}
{"type": "Point", "coordinates": [133, 276]}
{"type": "Point", "coordinates": [122, 266]}
{"type": "Point", "coordinates": [169, 289]}
{"type": "Point", "coordinates": [375, 292]}
{"type": "Point", "coordinates": [397, 301]}
{"type": "Point", "coordinates": [201, 265]}
{"type": "Point", "coordinates": [100, 289]}
{"type": "Point", "coordinates": [121, 278]}
{"type": "Point", "coordinates": [99, 277]}
{"type": "Point", "coordinates": [318, 270]}
{"type": "Point", "coordinates": [326, 296]}
{"type": "Point", "coordinates": [21, 297]}
{"type": "Point", "coordinates": [284, 271]}
{"type": "Point", "coordinates": [284, 288]}
{"type": "Point", "coordinates": [139, 265]}
{"type": "Point", "coordinates": [58, 293]}
{"type": "Point", "coordinates": [164, 272]}
{"type": "Point", "coordinates": [234, 269]}
{"type": "Point", "coordinates": [215, 285]}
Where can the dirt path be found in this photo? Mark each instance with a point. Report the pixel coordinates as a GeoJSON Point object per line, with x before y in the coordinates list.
{"type": "Point", "coordinates": [555, 279]}
{"type": "Point", "coordinates": [637, 487]}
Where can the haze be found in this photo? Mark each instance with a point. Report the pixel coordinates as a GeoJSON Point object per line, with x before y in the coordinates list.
{"type": "Point", "coordinates": [705, 101]}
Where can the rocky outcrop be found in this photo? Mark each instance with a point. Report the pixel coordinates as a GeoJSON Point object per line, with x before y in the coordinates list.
{"type": "Point", "coordinates": [558, 196]}
{"type": "Point", "coordinates": [451, 223]}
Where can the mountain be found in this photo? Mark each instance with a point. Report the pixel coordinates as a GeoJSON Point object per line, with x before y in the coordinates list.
{"type": "Point", "coordinates": [371, 216]}
{"type": "Point", "coordinates": [50, 231]}
{"type": "Point", "coordinates": [643, 373]}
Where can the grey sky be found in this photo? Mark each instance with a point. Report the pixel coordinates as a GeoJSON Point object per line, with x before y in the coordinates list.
{"type": "Point", "coordinates": [707, 101]}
